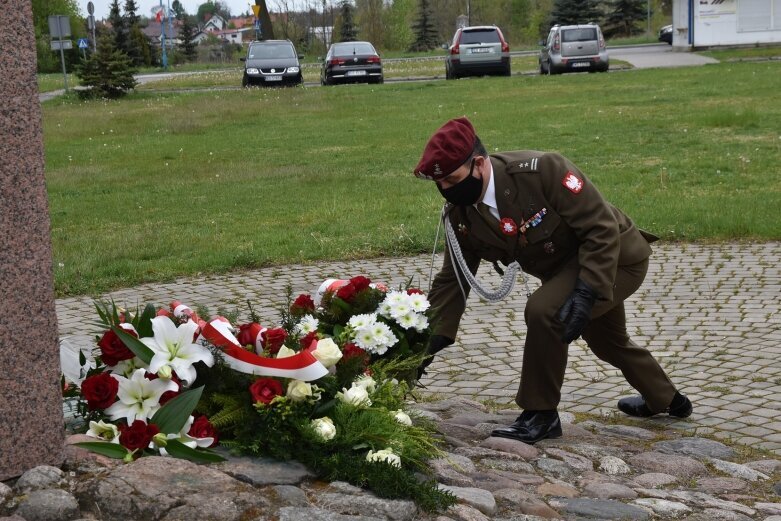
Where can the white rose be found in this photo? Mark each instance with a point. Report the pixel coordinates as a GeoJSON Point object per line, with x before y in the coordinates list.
{"type": "Point", "coordinates": [298, 390]}
{"type": "Point", "coordinates": [385, 456]}
{"type": "Point", "coordinates": [324, 427]}
{"type": "Point", "coordinates": [365, 381]}
{"type": "Point", "coordinates": [403, 418]}
{"type": "Point", "coordinates": [103, 431]}
{"type": "Point", "coordinates": [327, 352]}
{"type": "Point", "coordinates": [285, 352]}
{"type": "Point", "coordinates": [356, 395]}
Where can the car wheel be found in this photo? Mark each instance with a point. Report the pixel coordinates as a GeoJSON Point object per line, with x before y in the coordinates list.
{"type": "Point", "coordinates": [448, 74]}
{"type": "Point", "coordinates": [542, 69]}
{"type": "Point", "coordinates": [244, 81]}
{"type": "Point", "coordinates": [507, 71]}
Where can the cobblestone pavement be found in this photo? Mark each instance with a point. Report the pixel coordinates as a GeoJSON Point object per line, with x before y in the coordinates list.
{"type": "Point", "coordinates": [709, 313]}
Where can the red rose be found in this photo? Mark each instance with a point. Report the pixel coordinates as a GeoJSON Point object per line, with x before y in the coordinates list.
{"type": "Point", "coordinates": [351, 350]}
{"type": "Point", "coordinates": [346, 292]}
{"type": "Point", "coordinates": [202, 428]}
{"type": "Point", "coordinates": [137, 436]}
{"type": "Point", "coordinates": [248, 333]}
{"type": "Point", "coordinates": [265, 389]}
{"type": "Point", "coordinates": [272, 339]}
{"type": "Point", "coordinates": [302, 304]}
{"type": "Point", "coordinates": [360, 283]}
{"type": "Point", "coordinates": [112, 350]}
{"type": "Point", "coordinates": [414, 291]}
{"type": "Point", "coordinates": [100, 391]}
{"type": "Point", "coordinates": [307, 339]}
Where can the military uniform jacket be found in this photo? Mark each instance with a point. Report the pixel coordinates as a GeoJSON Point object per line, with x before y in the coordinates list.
{"type": "Point", "coordinates": [559, 215]}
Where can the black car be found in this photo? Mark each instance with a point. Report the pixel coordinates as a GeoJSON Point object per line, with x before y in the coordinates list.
{"type": "Point", "coordinates": [666, 34]}
{"type": "Point", "coordinates": [271, 62]}
{"type": "Point", "coordinates": [351, 62]}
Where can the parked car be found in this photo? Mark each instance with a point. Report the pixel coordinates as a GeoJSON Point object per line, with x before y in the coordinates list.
{"type": "Point", "coordinates": [574, 48]}
{"type": "Point", "coordinates": [666, 34]}
{"type": "Point", "coordinates": [271, 62]}
{"type": "Point", "coordinates": [477, 50]}
{"type": "Point", "coordinates": [351, 62]}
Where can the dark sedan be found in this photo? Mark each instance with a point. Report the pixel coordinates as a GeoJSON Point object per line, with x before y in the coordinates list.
{"type": "Point", "coordinates": [351, 62]}
{"type": "Point", "coordinates": [666, 34]}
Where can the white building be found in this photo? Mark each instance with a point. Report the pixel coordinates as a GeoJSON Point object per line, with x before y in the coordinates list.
{"type": "Point", "coordinates": [708, 23]}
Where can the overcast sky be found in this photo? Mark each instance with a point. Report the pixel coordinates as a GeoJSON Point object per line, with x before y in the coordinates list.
{"type": "Point", "coordinates": [145, 6]}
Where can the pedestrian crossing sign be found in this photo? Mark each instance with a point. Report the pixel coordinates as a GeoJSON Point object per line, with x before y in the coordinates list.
{"type": "Point", "coordinates": [83, 43]}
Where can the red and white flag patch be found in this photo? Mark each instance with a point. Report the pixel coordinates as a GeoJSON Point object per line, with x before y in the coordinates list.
{"type": "Point", "coordinates": [572, 182]}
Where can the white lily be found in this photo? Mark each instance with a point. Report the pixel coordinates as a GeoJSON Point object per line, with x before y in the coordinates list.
{"type": "Point", "coordinates": [103, 431]}
{"type": "Point", "coordinates": [174, 346]}
{"type": "Point", "coordinates": [139, 398]}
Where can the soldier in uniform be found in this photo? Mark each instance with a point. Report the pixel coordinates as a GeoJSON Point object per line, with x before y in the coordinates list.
{"type": "Point", "coordinates": [539, 210]}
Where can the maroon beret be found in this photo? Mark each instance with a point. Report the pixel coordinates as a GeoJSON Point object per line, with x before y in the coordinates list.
{"type": "Point", "coordinates": [449, 148]}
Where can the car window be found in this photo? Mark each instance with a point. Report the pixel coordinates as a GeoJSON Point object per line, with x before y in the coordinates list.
{"type": "Point", "coordinates": [585, 34]}
{"type": "Point", "coordinates": [479, 36]}
{"type": "Point", "coordinates": [271, 51]}
{"type": "Point", "coordinates": [351, 48]}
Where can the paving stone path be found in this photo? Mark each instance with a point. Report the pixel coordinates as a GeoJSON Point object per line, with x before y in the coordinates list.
{"type": "Point", "coordinates": [710, 313]}
{"type": "Point", "coordinates": [597, 471]}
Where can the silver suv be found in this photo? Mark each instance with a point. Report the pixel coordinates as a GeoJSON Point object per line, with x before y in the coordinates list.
{"type": "Point", "coordinates": [477, 50]}
{"type": "Point", "coordinates": [573, 48]}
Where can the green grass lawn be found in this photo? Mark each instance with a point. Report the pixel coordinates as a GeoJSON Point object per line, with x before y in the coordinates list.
{"type": "Point", "coordinates": [48, 82]}
{"type": "Point", "coordinates": [163, 185]}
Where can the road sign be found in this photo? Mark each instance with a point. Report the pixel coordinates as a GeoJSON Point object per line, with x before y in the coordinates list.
{"type": "Point", "coordinates": [256, 10]}
{"type": "Point", "coordinates": [62, 44]}
{"type": "Point", "coordinates": [59, 26]}
{"type": "Point", "coordinates": [83, 43]}
{"type": "Point", "coordinates": [90, 8]}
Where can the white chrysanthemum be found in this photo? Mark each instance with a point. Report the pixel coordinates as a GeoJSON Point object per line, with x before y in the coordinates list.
{"type": "Point", "coordinates": [399, 310]}
{"type": "Point", "coordinates": [362, 321]}
{"type": "Point", "coordinates": [365, 381]}
{"type": "Point", "coordinates": [397, 297]}
{"type": "Point", "coordinates": [409, 320]}
{"type": "Point", "coordinates": [384, 309]}
{"type": "Point", "coordinates": [383, 334]}
{"type": "Point", "coordinates": [422, 323]}
{"type": "Point", "coordinates": [402, 417]}
{"type": "Point", "coordinates": [419, 302]}
{"type": "Point", "coordinates": [306, 325]}
{"type": "Point", "coordinates": [365, 339]}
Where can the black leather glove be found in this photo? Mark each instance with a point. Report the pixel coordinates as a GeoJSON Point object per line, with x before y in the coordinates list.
{"type": "Point", "coordinates": [576, 311]}
{"type": "Point", "coordinates": [435, 344]}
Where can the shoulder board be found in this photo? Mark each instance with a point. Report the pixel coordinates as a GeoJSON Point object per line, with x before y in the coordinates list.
{"type": "Point", "coordinates": [530, 164]}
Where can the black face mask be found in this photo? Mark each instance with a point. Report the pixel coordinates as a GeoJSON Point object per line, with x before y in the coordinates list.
{"type": "Point", "coordinates": [466, 192]}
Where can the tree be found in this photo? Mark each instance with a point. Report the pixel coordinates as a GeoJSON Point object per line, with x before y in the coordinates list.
{"type": "Point", "coordinates": [398, 34]}
{"type": "Point", "coordinates": [624, 16]}
{"type": "Point", "coordinates": [571, 12]}
{"type": "Point", "coordinates": [178, 8]}
{"type": "Point", "coordinates": [136, 41]}
{"type": "Point", "coordinates": [347, 30]}
{"type": "Point", "coordinates": [370, 16]}
{"type": "Point", "coordinates": [108, 71]}
{"type": "Point", "coordinates": [187, 34]}
{"type": "Point", "coordinates": [118, 27]}
{"type": "Point", "coordinates": [49, 61]}
{"type": "Point", "coordinates": [426, 35]}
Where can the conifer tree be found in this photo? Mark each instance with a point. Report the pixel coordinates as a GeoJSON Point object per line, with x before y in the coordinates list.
{"type": "Point", "coordinates": [424, 29]}
{"type": "Point", "coordinates": [572, 12]}
{"type": "Point", "coordinates": [108, 71]}
{"type": "Point", "coordinates": [187, 35]}
{"type": "Point", "coordinates": [118, 28]}
{"type": "Point", "coordinates": [347, 32]}
{"type": "Point", "coordinates": [624, 16]}
{"type": "Point", "coordinates": [135, 38]}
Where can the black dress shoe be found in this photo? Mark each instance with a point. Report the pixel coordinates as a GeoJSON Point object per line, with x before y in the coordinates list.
{"type": "Point", "coordinates": [680, 407]}
{"type": "Point", "coordinates": [531, 427]}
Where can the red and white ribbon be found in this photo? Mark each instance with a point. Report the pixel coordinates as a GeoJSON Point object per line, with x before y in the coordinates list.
{"type": "Point", "coordinates": [301, 366]}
